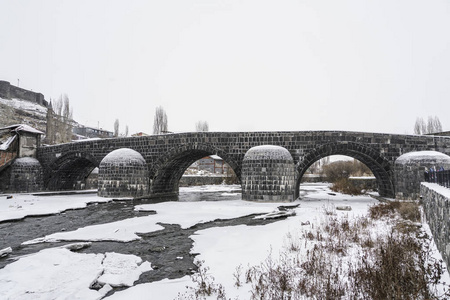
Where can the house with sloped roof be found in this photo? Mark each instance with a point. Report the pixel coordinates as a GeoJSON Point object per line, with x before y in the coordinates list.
{"type": "Point", "coordinates": [17, 141]}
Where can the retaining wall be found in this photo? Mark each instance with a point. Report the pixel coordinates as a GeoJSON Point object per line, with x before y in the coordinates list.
{"type": "Point", "coordinates": [200, 180]}
{"type": "Point", "coordinates": [436, 204]}
{"type": "Point", "coordinates": [8, 91]}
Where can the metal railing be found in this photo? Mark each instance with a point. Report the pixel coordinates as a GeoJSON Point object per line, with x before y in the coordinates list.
{"type": "Point", "coordinates": [441, 177]}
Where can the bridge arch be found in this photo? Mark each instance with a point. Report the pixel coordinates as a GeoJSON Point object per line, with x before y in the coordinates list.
{"type": "Point", "coordinates": [69, 169]}
{"type": "Point", "coordinates": [377, 163]}
{"type": "Point", "coordinates": [166, 172]}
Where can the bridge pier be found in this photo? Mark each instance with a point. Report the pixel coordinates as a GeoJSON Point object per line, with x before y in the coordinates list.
{"type": "Point", "coordinates": [409, 171]}
{"type": "Point", "coordinates": [268, 174]}
{"type": "Point", "coordinates": [123, 173]}
{"type": "Point", "coordinates": [26, 175]}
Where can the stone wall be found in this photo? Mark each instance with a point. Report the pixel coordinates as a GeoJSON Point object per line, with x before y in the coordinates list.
{"type": "Point", "coordinates": [192, 180]}
{"type": "Point", "coordinates": [268, 174]}
{"type": "Point", "coordinates": [123, 173]}
{"type": "Point", "coordinates": [8, 91]}
{"type": "Point", "coordinates": [436, 204]}
{"type": "Point", "coordinates": [409, 171]}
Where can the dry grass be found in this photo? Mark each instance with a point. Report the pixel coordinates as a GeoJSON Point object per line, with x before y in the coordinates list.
{"type": "Point", "coordinates": [345, 186]}
{"type": "Point", "coordinates": [394, 265]}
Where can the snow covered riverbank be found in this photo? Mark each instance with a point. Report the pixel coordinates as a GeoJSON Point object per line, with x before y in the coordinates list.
{"type": "Point", "coordinates": [19, 206]}
{"type": "Point", "coordinates": [65, 274]}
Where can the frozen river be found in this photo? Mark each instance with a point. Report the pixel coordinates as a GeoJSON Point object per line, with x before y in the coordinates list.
{"type": "Point", "coordinates": [168, 248]}
{"type": "Point", "coordinates": [148, 249]}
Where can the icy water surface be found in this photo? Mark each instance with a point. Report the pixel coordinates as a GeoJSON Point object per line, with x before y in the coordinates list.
{"type": "Point", "coordinates": [168, 250]}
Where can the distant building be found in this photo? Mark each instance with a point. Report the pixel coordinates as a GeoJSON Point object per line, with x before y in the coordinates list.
{"type": "Point", "coordinates": [90, 132]}
{"type": "Point", "coordinates": [140, 134]}
{"type": "Point", "coordinates": [212, 164]}
{"type": "Point", "coordinates": [444, 133]}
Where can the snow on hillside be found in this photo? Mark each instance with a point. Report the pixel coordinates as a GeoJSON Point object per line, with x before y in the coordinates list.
{"type": "Point", "coordinates": [25, 105]}
{"type": "Point", "coordinates": [17, 111]}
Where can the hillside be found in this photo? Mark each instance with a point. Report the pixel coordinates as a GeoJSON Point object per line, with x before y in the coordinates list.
{"type": "Point", "coordinates": [17, 111]}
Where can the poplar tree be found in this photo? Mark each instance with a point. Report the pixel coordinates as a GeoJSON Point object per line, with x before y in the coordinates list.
{"type": "Point", "coordinates": [160, 124]}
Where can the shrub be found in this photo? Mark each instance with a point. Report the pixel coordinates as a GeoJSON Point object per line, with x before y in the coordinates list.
{"type": "Point", "coordinates": [345, 186]}
{"type": "Point", "coordinates": [392, 265]}
{"type": "Point", "coordinates": [338, 170]}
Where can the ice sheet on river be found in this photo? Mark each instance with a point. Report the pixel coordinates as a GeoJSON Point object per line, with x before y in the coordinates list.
{"type": "Point", "coordinates": [58, 273]}
{"type": "Point", "coordinates": [185, 214]}
{"type": "Point", "coordinates": [23, 205]}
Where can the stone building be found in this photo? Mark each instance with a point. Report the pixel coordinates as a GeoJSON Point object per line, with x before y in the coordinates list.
{"type": "Point", "coordinates": [22, 171]}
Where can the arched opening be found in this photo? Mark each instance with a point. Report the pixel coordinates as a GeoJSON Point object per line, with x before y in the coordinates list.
{"type": "Point", "coordinates": [378, 165]}
{"type": "Point", "coordinates": [345, 174]}
{"type": "Point", "coordinates": [170, 169]}
{"type": "Point", "coordinates": [70, 172]}
{"type": "Point", "coordinates": [211, 169]}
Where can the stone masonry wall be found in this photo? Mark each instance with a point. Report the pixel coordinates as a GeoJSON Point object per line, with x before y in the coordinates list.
{"type": "Point", "coordinates": [123, 173]}
{"type": "Point", "coordinates": [26, 175]}
{"type": "Point", "coordinates": [409, 171]}
{"type": "Point", "coordinates": [268, 174]}
{"type": "Point", "coordinates": [8, 91]}
{"type": "Point", "coordinates": [436, 204]}
{"type": "Point", "coordinates": [193, 180]}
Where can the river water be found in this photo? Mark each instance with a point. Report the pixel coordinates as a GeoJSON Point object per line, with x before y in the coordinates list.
{"type": "Point", "coordinates": [168, 250]}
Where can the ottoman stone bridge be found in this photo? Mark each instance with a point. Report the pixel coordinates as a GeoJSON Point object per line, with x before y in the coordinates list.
{"type": "Point", "coordinates": [156, 163]}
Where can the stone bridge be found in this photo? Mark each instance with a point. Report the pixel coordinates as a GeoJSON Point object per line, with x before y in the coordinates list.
{"type": "Point", "coordinates": [166, 157]}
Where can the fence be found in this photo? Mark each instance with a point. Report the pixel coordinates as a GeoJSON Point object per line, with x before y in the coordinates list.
{"type": "Point", "coordinates": [441, 177]}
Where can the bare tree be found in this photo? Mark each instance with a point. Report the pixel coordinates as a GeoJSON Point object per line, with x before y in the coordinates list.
{"type": "Point", "coordinates": [116, 128]}
{"type": "Point", "coordinates": [160, 124]}
{"type": "Point", "coordinates": [317, 167]}
{"type": "Point", "coordinates": [58, 106]}
{"type": "Point", "coordinates": [418, 126]}
{"type": "Point", "coordinates": [67, 119]}
{"type": "Point", "coordinates": [201, 126]}
{"type": "Point", "coordinates": [50, 126]}
{"type": "Point", "coordinates": [59, 121]}
{"type": "Point", "coordinates": [433, 125]}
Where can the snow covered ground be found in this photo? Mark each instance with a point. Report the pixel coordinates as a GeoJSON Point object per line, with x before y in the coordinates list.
{"type": "Point", "coordinates": [57, 273]}
{"type": "Point", "coordinates": [25, 105]}
{"type": "Point", "coordinates": [22, 205]}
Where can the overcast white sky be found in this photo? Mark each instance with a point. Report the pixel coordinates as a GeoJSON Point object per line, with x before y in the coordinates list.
{"type": "Point", "coordinates": [240, 65]}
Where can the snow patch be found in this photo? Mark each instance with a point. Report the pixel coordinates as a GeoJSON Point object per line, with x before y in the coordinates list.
{"type": "Point", "coordinates": [185, 214]}
{"type": "Point", "coordinates": [7, 143]}
{"type": "Point", "coordinates": [123, 155]}
{"type": "Point", "coordinates": [5, 252]}
{"type": "Point", "coordinates": [438, 189]}
{"type": "Point", "coordinates": [58, 273]}
{"type": "Point", "coordinates": [431, 156]}
{"type": "Point", "coordinates": [31, 161]}
{"type": "Point", "coordinates": [25, 105]}
{"type": "Point", "coordinates": [20, 206]}
{"type": "Point", "coordinates": [122, 270]}
{"type": "Point", "coordinates": [66, 275]}
{"type": "Point", "coordinates": [269, 152]}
